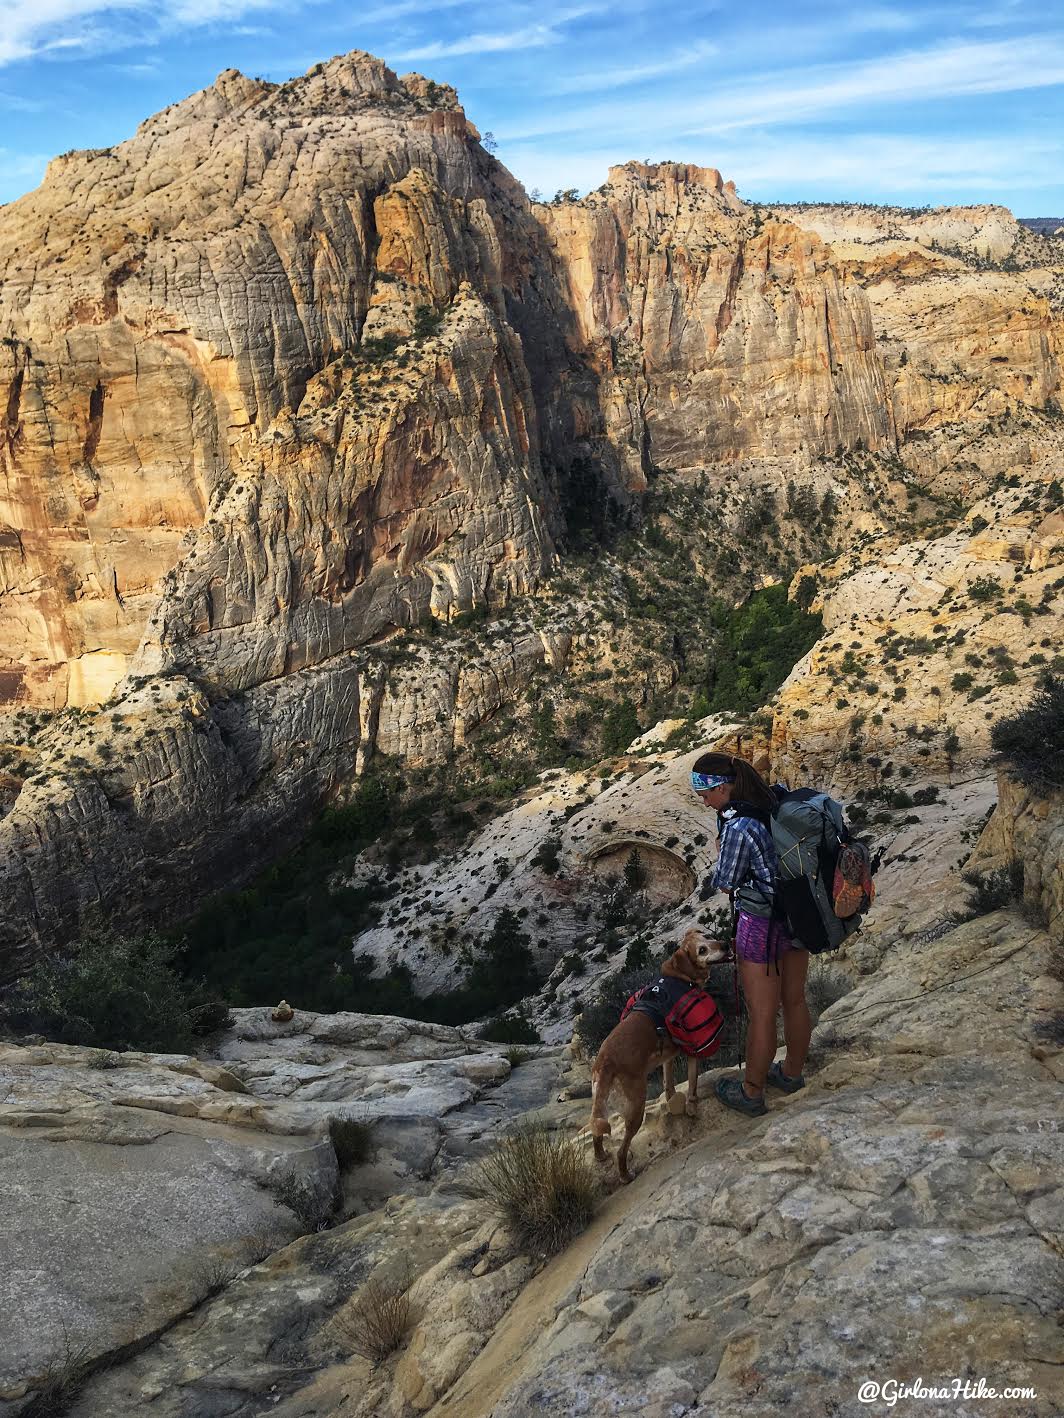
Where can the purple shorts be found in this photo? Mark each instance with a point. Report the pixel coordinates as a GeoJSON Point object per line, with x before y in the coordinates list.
{"type": "Point", "coordinates": [759, 939]}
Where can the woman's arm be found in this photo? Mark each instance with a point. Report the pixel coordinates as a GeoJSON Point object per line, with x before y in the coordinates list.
{"type": "Point", "coordinates": [733, 863]}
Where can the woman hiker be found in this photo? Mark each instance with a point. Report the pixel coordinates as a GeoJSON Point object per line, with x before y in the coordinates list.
{"type": "Point", "coordinates": [772, 968]}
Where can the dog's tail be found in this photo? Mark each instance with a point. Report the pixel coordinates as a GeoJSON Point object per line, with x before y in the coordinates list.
{"type": "Point", "coordinates": [601, 1085]}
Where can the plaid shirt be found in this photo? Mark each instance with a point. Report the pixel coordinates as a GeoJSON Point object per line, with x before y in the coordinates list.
{"type": "Point", "coordinates": [747, 854]}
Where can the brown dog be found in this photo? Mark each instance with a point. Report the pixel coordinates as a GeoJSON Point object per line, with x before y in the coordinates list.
{"type": "Point", "coordinates": [634, 1048]}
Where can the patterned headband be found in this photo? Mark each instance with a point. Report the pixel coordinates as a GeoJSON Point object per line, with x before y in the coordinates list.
{"type": "Point", "coordinates": [706, 782]}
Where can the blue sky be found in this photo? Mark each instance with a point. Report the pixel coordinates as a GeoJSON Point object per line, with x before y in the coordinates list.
{"type": "Point", "coordinates": [906, 103]}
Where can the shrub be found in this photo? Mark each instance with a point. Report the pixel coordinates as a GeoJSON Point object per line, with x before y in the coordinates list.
{"type": "Point", "coordinates": [924, 796]}
{"type": "Point", "coordinates": [540, 1186]}
{"type": "Point", "coordinates": [113, 992]}
{"type": "Point", "coordinates": [1032, 741]}
{"type": "Point", "coordinates": [511, 1028]}
{"type": "Point", "coordinates": [1049, 1029]}
{"type": "Point", "coordinates": [993, 890]}
{"type": "Point", "coordinates": [615, 911]}
{"type": "Point", "coordinates": [634, 873]}
{"type": "Point", "coordinates": [984, 588]}
{"type": "Point", "coordinates": [352, 1141]}
{"type": "Point", "coordinates": [824, 985]}
{"type": "Point", "coordinates": [60, 1384]}
{"type": "Point", "coordinates": [426, 321]}
{"type": "Point", "coordinates": [637, 955]}
{"type": "Point", "coordinates": [805, 592]}
{"type": "Point", "coordinates": [619, 727]}
{"type": "Point", "coordinates": [506, 970]}
{"type": "Point", "coordinates": [359, 820]}
{"type": "Point", "coordinates": [548, 855]}
{"type": "Point", "coordinates": [378, 1320]}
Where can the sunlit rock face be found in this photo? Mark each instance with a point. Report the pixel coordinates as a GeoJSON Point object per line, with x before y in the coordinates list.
{"type": "Point", "coordinates": [164, 301]}
{"type": "Point", "coordinates": [719, 335]}
{"type": "Point", "coordinates": [168, 306]}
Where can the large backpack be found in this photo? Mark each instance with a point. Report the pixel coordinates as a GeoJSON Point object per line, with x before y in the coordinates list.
{"type": "Point", "coordinates": [825, 882]}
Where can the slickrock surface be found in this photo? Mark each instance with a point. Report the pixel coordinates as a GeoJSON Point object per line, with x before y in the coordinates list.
{"type": "Point", "coordinates": [902, 1216]}
{"type": "Point", "coordinates": [136, 1185]}
{"type": "Point", "coordinates": [132, 1185]}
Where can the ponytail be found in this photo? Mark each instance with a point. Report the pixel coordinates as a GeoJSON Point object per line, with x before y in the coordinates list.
{"type": "Point", "coordinates": [750, 787]}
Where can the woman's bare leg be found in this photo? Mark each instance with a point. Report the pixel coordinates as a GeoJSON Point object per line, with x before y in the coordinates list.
{"type": "Point", "coordinates": [797, 1024]}
{"type": "Point", "coordinates": [762, 992]}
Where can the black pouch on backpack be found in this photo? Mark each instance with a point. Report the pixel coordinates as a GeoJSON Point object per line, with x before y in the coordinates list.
{"type": "Point", "coordinates": [804, 915]}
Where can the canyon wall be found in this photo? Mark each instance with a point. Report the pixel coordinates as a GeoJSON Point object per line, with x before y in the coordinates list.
{"type": "Point", "coordinates": [299, 368]}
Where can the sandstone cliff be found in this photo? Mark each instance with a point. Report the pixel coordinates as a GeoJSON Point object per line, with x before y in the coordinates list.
{"type": "Point", "coordinates": [167, 297]}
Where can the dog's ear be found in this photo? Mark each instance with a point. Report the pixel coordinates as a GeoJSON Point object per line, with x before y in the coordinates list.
{"type": "Point", "coordinates": [683, 963]}
{"type": "Point", "coordinates": [675, 965]}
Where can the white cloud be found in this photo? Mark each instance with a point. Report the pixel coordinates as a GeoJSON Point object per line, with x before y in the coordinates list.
{"type": "Point", "coordinates": [38, 27]}
{"type": "Point", "coordinates": [21, 105]}
{"type": "Point", "coordinates": [28, 26]}
{"type": "Point", "coordinates": [618, 77]}
{"type": "Point", "coordinates": [402, 9]}
{"type": "Point", "coordinates": [205, 12]}
{"type": "Point", "coordinates": [530, 37]}
{"type": "Point", "coordinates": [942, 168]}
{"type": "Point", "coordinates": [23, 168]}
{"type": "Point", "coordinates": [795, 95]}
{"type": "Point", "coordinates": [943, 71]}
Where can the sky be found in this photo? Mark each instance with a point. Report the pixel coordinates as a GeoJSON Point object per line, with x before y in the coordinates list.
{"type": "Point", "coordinates": [907, 103]}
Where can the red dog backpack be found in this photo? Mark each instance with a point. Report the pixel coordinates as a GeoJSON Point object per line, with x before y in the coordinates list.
{"type": "Point", "coordinates": [689, 1016]}
{"type": "Point", "coordinates": [695, 1023]}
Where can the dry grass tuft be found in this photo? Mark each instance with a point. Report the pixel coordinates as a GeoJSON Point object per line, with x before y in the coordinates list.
{"type": "Point", "coordinates": [377, 1322]}
{"type": "Point", "coordinates": [60, 1385]}
{"type": "Point", "coordinates": [540, 1186]}
{"type": "Point", "coordinates": [311, 1202]}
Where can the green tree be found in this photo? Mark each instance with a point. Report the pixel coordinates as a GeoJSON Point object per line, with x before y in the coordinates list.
{"type": "Point", "coordinates": [548, 855]}
{"type": "Point", "coordinates": [544, 728]}
{"type": "Point", "coordinates": [1032, 741]}
{"type": "Point", "coordinates": [619, 727]}
{"type": "Point", "coordinates": [634, 875]}
{"type": "Point", "coordinates": [805, 592]}
{"type": "Point", "coordinates": [758, 646]}
{"type": "Point", "coordinates": [507, 970]}
{"type": "Point", "coordinates": [113, 992]}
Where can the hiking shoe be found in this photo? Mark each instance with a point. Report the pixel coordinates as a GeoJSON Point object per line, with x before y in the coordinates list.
{"type": "Point", "coordinates": [779, 1079]}
{"type": "Point", "coordinates": [732, 1094]}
